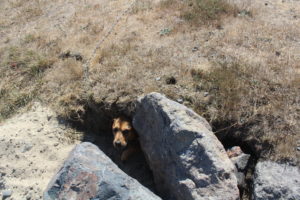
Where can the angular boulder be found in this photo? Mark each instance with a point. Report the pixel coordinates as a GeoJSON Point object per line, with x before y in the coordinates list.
{"type": "Point", "coordinates": [187, 160]}
{"type": "Point", "coordinates": [89, 174]}
{"type": "Point", "coordinates": [274, 181]}
{"type": "Point", "coordinates": [240, 161]}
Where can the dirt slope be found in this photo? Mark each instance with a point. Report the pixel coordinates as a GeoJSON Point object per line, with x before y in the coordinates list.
{"type": "Point", "coordinates": [32, 147]}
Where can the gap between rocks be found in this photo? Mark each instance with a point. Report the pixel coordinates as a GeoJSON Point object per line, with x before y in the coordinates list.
{"type": "Point", "coordinates": [96, 123]}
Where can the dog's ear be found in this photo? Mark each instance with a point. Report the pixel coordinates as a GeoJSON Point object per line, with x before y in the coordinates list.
{"type": "Point", "coordinates": [113, 121]}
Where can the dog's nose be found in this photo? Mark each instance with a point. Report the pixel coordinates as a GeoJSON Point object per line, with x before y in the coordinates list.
{"type": "Point", "coordinates": [118, 144]}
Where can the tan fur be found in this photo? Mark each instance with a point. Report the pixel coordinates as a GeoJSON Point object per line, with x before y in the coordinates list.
{"type": "Point", "coordinates": [124, 137]}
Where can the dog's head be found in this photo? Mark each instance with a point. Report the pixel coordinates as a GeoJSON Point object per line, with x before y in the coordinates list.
{"type": "Point", "coordinates": [123, 132]}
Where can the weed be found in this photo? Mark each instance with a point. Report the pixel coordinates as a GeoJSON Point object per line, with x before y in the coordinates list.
{"type": "Point", "coordinates": [165, 31]}
{"type": "Point", "coordinates": [243, 95]}
{"type": "Point", "coordinates": [141, 6]}
{"type": "Point", "coordinates": [26, 61]}
{"type": "Point", "coordinates": [29, 38]}
{"type": "Point", "coordinates": [22, 70]}
{"type": "Point", "coordinates": [202, 11]}
{"type": "Point", "coordinates": [10, 103]}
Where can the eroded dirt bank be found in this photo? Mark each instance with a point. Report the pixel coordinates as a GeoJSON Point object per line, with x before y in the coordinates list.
{"type": "Point", "coordinates": [33, 146]}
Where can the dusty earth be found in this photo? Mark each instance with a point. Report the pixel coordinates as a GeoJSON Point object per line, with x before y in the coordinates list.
{"type": "Point", "coordinates": [133, 59]}
{"type": "Point", "coordinates": [33, 145]}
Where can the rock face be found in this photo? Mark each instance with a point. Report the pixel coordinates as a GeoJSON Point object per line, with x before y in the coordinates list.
{"type": "Point", "coordinates": [89, 174]}
{"type": "Point", "coordinates": [187, 160]}
{"type": "Point", "coordinates": [274, 181]}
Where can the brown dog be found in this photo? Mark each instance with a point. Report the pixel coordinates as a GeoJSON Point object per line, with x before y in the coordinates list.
{"type": "Point", "coordinates": [125, 137]}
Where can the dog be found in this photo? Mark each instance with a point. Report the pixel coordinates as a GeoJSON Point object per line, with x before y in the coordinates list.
{"type": "Point", "coordinates": [125, 137]}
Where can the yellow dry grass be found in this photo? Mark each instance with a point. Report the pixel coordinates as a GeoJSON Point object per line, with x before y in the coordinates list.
{"type": "Point", "coordinates": [235, 62]}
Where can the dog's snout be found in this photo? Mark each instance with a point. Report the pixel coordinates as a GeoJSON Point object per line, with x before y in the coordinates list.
{"type": "Point", "coordinates": [118, 144]}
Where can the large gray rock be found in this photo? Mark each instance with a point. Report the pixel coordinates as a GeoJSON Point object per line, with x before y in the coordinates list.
{"type": "Point", "coordinates": [187, 160]}
{"type": "Point", "coordinates": [89, 174]}
{"type": "Point", "coordinates": [274, 181]}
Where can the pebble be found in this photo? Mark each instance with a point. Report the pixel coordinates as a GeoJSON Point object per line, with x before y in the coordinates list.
{"type": "Point", "coordinates": [179, 100]}
{"type": "Point", "coordinates": [195, 49]}
{"type": "Point", "coordinates": [157, 79]}
{"type": "Point", "coordinates": [205, 94]}
{"type": "Point", "coordinates": [6, 193]}
{"type": "Point", "coordinates": [40, 129]}
{"type": "Point", "coordinates": [26, 148]}
{"type": "Point", "coordinates": [298, 148]}
{"type": "Point", "coordinates": [49, 117]}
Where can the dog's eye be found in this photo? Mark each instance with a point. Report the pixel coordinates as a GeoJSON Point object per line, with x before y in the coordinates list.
{"type": "Point", "coordinates": [125, 132]}
{"type": "Point", "coordinates": [115, 130]}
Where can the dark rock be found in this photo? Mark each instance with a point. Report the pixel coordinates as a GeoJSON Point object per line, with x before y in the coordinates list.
{"type": "Point", "coordinates": [195, 49]}
{"type": "Point", "coordinates": [89, 174]}
{"type": "Point", "coordinates": [276, 181]}
{"type": "Point", "coordinates": [77, 56]}
{"type": "Point", "coordinates": [187, 160]}
{"type": "Point", "coordinates": [171, 80]}
{"type": "Point", "coordinates": [64, 55]}
{"type": "Point", "coordinates": [68, 54]}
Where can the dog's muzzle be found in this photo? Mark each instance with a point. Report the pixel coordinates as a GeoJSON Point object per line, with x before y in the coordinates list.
{"type": "Point", "coordinates": [119, 145]}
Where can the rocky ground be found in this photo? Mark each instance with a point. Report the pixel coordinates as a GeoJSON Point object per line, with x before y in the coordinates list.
{"type": "Point", "coordinates": [33, 145]}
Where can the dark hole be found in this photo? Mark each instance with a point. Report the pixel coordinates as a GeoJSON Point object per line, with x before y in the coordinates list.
{"type": "Point", "coordinates": [96, 123]}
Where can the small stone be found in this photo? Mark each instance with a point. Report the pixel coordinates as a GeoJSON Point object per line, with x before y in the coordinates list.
{"type": "Point", "coordinates": [219, 27]}
{"type": "Point", "coordinates": [28, 197]}
{"type": "Point", "coordinates": [2, 185]}
{"type": "Point", "coordinates": [234, 151]}
{"type": "Point", "coordinates": [195, 49]}
{"type": "Point", "coordinates": [277, 53]}
{"type": "Point", "coordinates": [6, 194]}
{"type": "Point", "coordinates": [26, 147]}
{"type": "Point", "coordinates": [40, 129]}
{"type": "Point", "coordinates": [205, 94]}
{"type": "Point", "coordinates": [157, 79]}
{"type": "Point", "coordinates": [49, 117]}
{"type": "Point", "coordinates": [77, 56]}
{"type": "Point", "coordinates": [55, 144]}
{"type": "Point", "coordinates": [298, 148]}
{"type": "Point", "coordinates": [241, 161]}
{"type": "Point", "coordinates": [179, 100]}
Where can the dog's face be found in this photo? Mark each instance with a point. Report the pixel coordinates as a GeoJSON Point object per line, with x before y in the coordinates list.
{"type": "Point", "coordinates": [123, 132]}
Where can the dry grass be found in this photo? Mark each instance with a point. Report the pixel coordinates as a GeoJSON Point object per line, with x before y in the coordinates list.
{"type": "Point", "coordinates": [256, 98]}
{"type": "Point", "coordinates": [249, 65]}
{"type": "Point", "coordinates": [199, 12]}
{"type": "Point", "coordinates": [21, 78]}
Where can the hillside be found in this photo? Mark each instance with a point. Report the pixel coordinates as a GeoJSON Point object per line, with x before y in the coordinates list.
{"type": "Point", "coordinates": [234, 62]}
